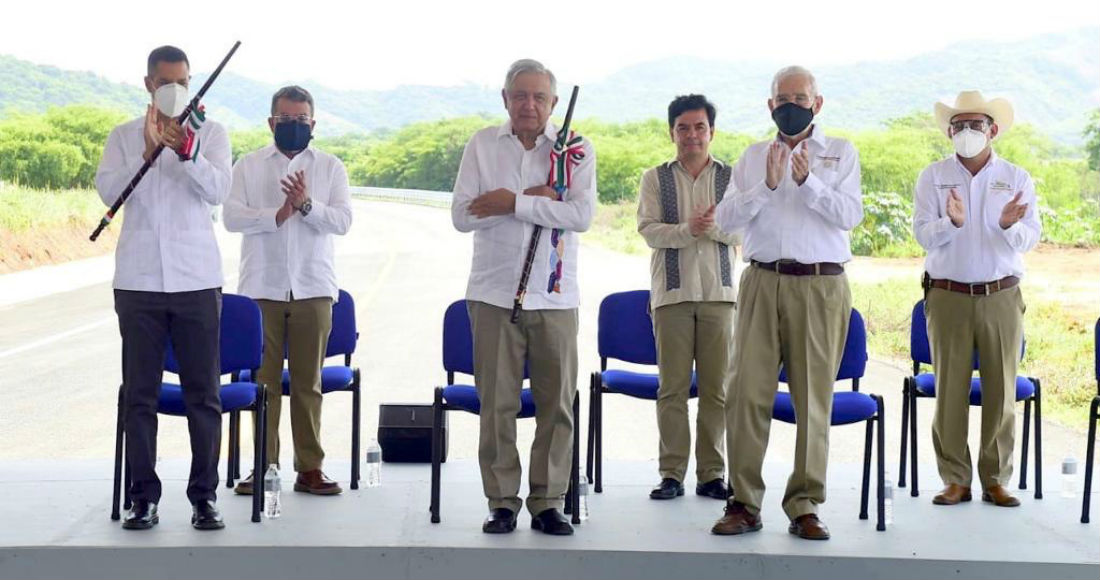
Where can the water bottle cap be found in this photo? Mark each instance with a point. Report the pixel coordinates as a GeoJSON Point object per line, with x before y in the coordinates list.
{"type": "Point", "coordinates": [1069, 465]}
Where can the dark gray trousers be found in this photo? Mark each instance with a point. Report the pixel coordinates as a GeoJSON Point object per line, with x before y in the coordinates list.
{"type": "Point", "coordinates": [192, 320]}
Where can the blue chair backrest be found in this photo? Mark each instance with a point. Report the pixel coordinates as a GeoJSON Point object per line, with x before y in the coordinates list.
{"type": "Point", "coordinates": [241, 337]}
{"type": "Point", "coordinates": [919, 350]}
{"type": "Point", "coordinates": [853, 364]}
{"type": "Point", "coordinates": [344, 335]}
{"type": "Point", "coordinates": [1096, 347]}
{"type": "Point", "coordinates": [458, 340]}
{"type": "Point", "coordinates": [626, 328]}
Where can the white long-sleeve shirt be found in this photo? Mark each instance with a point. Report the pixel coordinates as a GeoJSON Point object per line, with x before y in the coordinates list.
{"type": "Point", "coordinates": [295, 258]}
{"type": "Point", "coordinates": [167, 242]}
{"type": "Point", "coordinates": [494, 158]}
{"type": "Point", "coordinates": [979, 251]}
{"type": "Point", "coordinates": [808, 223]}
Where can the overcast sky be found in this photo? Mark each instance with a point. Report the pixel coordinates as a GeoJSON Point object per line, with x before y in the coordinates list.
{"type": "Point", "coordinates": [381, 44]}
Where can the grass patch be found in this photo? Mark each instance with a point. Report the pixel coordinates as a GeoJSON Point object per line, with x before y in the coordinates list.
{"type": "Point", "coordinates": [615, 226]}
{"type": "Point", "coordinates": [23, 209]}
{"type": "Point", "coordinates": [1059, 343]}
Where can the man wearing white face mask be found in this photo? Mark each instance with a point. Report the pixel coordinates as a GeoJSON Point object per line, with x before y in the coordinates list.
{"type": "Point", "coordinates": [975, 215]}
{"type": "Point", "coordinates": [167, 283]}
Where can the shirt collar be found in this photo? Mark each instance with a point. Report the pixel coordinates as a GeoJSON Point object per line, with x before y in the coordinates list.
{"type": "Point", "coordinates": [550, 132]}
{"type": "Point", "coordinates": [993, 159]}
{"type": "Point", "coordinates": [816, 136]}
{"type": "Point", "coordinates": [712, 163]}
{"type": "Point", "coordinates": [272, 151]}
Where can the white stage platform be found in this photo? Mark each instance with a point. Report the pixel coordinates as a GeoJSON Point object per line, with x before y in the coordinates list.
{"type": "Point", "coordinates": [56, 524]}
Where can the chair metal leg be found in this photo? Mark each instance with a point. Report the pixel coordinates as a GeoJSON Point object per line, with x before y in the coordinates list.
{"type": "Point", "coordinates": [235, 441]}
{"type": "Point", "coordinates": [597, 408]}
{"type": "Point", "coordinates": [120, 433]}
{"type": "Point", "coordinates": [590, 449]}
{"type": "Point", "coordinates": [914, 489]}
{"type": "Point", "coordinates": [356, 412]}
{"type": "Point", "coordinates": [127, 481]}
{"type": "Point", "coordinates": [903, 435]}
{"type": "Point", "coordinates": [1090, 454]}
{"type": "Point", "coordinates": [866, 480]}
{"type": "Point", "coordinates": [1024, 444]}
{"type": "Point", "coordinates": [258, 451]}
{"type": "Point", "coordinates": [437, 450]}
{"type": "Point", "coordinates": [881, 526]}
{"type": "Point", "coordinates": [574, 473]}
{"type": "Point", "coordinates": [1038, 440]}
{"type": "Point", "coordinates": [229, 456]}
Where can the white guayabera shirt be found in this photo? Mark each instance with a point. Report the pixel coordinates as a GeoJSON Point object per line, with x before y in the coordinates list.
{"type": "Point", "coordinates": [167, 242]}
{"type": "Point", "coordinates": [979, 251]}
{"type": "Point", "coordinates": [807, 223]}
{"type": "Point", "coordinates": [295, 258]}
{"type": "Point", "coordinates": [494, 158]}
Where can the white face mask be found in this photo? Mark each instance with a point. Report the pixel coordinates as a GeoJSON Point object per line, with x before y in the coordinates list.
{"type": "Point", "coordinates": [969, 143]}
{"type": "Point", "coordinates": [171, 99]}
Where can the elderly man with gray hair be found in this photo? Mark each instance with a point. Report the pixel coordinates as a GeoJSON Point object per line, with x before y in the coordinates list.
{"type": "Point", "coordinates": [501, 194]}
{"type": "Point", "coordinates": [794, 198]}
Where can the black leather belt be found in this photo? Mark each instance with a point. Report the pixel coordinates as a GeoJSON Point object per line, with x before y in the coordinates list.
{"type": "Point", "coordinates": [800, 269]}
{"type": "Point", "coordinates": [979, 289]}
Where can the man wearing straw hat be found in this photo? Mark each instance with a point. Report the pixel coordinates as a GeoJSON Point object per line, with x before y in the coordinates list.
{"type": "Point", "coordinates": [975, 215]}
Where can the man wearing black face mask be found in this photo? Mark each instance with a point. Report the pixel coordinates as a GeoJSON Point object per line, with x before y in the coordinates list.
{"type": "Point", "coordinates": [289, 199]}
{"type": "Point", "coordinates": [795, 198]}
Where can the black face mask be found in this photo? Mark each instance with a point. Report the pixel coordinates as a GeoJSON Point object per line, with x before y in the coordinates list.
{"type": "Point", "coordinates": [292, 135]}
{"type": "Point", "coordinates": [792, 119]}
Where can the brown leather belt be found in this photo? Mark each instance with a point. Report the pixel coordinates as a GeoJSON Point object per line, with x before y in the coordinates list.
{"type": "Point", "coordinates": [980, 289]}
{"type": "Point", "coordinates": [799, 269]}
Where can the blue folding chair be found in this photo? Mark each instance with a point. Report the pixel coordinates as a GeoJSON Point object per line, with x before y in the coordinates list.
{"type": "Point", "coordinates": [851, 407]}
{"type": "Point", "coordinates": [1094, 415]}
{"type": "Point", "coordinates": [923, 385]}
{"type": "Point", "coordinates": [342, 340]}
{"type": "Point", "coordinates": [625, 333]}
{"type": "Point", "coordinates": [241, 347]}
{"type": "Point", "coordinates": [458, 357]}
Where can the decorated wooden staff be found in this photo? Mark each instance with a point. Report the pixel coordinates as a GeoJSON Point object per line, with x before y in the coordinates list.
{"type": "Point", "coordinates": [566, 153]}
{"type": "Point", "coordinates": [189, 122]}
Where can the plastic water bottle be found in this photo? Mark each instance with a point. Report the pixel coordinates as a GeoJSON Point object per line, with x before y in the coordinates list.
{"type": "Point", "coordinates": [273, 487]}
{"type": "Point", "coordinates": [888, 499]}
{"type": "Point", "coordinates": [582, 497]}
{"type": "Point", "coordinates": [374, 464]}
{"type": "Point", "coordinates": [1069, 477]}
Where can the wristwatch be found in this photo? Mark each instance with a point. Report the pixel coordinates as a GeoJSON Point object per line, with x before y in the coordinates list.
{"type": "Point", "coordinates": [307, 206]}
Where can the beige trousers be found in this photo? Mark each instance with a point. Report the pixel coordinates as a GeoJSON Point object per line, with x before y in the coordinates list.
{"type": "Point", "coordinates": [802, 322]}
{"type": "Point", "coordinates": [699, 335]}
{"type": "Point", "coordinates": [547, 340]}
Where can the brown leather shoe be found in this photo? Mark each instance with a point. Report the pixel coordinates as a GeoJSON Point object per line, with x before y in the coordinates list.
{"type": "Point", "coordinates": [809, 527]}
{"type": "Point", "coordinates": [952, 494]}
{"type": "Point", "coordinates": [244, 486]}
{"type": "Point", "coordinates": [317, 483]}
{"type": "Point", "coordinates": [737, 520]}
{"type": "Point", "coordinates": [999, 496]}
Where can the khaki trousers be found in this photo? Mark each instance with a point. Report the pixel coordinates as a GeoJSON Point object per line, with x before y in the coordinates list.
{"type": "Point", "coordinates": [688, 334]}
{"type": "Point", "coordinates": [547, 341]}
{"type": "Point", "coordinates": [801, 321]}
{"type": "Point", "coordinates": [301, 328]}
{"type": "Point", "coordinates": [957, 324]}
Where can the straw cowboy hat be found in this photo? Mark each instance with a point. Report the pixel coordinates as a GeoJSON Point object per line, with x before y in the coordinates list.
{"type": "Point", "coordinates": [1000, 110]}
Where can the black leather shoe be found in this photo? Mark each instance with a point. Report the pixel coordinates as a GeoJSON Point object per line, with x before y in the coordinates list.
{"type": "Point", "coordinates": [205, 516]}
{"type": "Point", "coordinates": [551, 521]}
{"type": "Point", "coordinates": [500, 521]}
{"type": "Point", "coordinates": [668, 489]}
{"type": "Point", "coordinates": [715, 488]}
{"type": "Point", "coordinates": [142, 516]}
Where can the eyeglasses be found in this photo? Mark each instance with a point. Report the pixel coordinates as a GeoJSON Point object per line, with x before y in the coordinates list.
{"type": "Point", "coordinates": [303, 118]}
{"type": "Point", "coordinates": [979, 125]}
